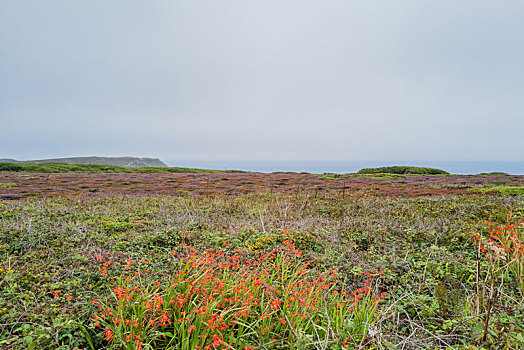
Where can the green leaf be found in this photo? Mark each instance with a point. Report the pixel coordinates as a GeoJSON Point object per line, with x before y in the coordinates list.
{"type": "Point", "coordinates": [86, 335]}
{"type": "Point", "coordinates": [478, 329]}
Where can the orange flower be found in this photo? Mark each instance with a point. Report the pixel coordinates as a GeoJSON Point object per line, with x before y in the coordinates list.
{"type": "Point", "coordinates": [275, 304]}
{"type": "Point", "coordinates": [217, 341]}
{"type": "Point", "coordinates": [109, 334]}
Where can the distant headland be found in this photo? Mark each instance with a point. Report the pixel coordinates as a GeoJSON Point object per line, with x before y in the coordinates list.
{"type": "Point", "coordinates": [125, 162]}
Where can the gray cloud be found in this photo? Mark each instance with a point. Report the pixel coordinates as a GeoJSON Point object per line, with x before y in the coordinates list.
{"type": "Point", "coordinates": [295, 79]}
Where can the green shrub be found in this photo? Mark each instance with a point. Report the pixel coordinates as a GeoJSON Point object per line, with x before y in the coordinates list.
{"type": "Point", "coordinates": [397, 169]}
{"type": "Point", "coordinates": [511, 190]}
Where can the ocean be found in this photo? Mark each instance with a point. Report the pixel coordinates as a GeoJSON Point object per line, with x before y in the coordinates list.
{"type": "Point", "coordinates": [341, 167]}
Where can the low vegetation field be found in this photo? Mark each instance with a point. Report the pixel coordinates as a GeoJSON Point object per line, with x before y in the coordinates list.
{"type": "Point", "coordinates": [47, 167]}
{"type": "Point", "coordinates": [261, 261]}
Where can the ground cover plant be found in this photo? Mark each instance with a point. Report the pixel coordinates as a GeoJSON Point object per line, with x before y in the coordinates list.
{"type": "Point", "coordinates": [392, 185]}
{"type": "Point", "coordinates": [260, 261]}
{"type": "Point", "coordinates": [507, 190]}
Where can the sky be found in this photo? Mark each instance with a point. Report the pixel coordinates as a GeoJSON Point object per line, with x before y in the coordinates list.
{"type": "Point", "coordinates": [271, 80]}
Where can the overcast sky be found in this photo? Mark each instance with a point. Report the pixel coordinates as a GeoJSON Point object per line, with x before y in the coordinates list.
{"type": "Point", "coordinates": [263, 80]}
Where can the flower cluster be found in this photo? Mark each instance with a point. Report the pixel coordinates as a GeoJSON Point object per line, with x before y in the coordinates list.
{"type": "Point", "coordinates": [503, 246]}
{"type": "Point", "coordinates": [238, 299]}
{"type": "Point", "coordinates": [504, 241]}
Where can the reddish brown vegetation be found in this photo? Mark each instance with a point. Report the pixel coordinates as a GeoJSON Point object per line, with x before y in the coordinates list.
{"type": "Point", "coordinates": [234, 183]}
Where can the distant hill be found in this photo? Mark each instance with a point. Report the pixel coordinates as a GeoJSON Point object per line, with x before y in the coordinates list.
{"type": "Point", "coordinates": [125, 162]}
